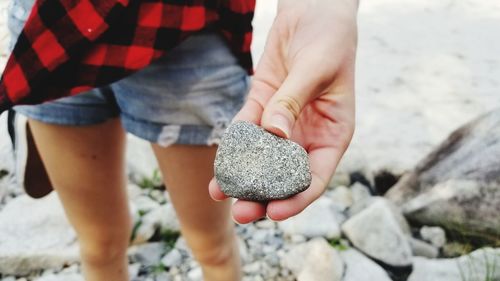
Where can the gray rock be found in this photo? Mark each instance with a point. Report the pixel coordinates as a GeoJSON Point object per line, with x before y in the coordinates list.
{"type": "Point", "coordinates": [133, 270]}
{"type": "Point", "coordinates": [172, 258]}
{"type": "Point", "coordinates": [163, 218]}
{"type": "Point", "coordinates": [339, 179]}
{"type": "Point", "coordinates": [341, 197]}
{"type": "Point", "coordinates": [315, 260]}
{"type": "Point", "coordinates": [252, 268]}
{"type": "Point", "coordinates": [318, 219]}
{"type": "Point", "coordinates": [483, 264]}
{"type": "Point", "coordinates": [422, 249]}
{"type": "Point", "coordinates": [162, 276]}
{"type": "Point", "coordinates": [34, 235]}
{"type": "Point", "coordinates": [256, 165]}
{"type": "Point", "coordinates": [433, 234]}
{"type": "Point", "coordinates": [380, 232]}
{"type": "Point", "coordinates": [360, 192]}
{"type": "Point", "coordinates": [147, 254]}
{"type": "Point", "coordinates": [141, 161]}
{"type": "Point", "coordinates": [457, 186]}
{"type": "Point", "coordinates": [361, 268]}
{"type": "Point", "coordinates": [61, 277]}
{"type": "Point", "coordinates": [267, 224]}
{"type": "Point", "coordinates": [244, 252]}
{"type": "Point", "coordinates": [195, 274]}
{"type": "Point", "coordinates": [145, 204]}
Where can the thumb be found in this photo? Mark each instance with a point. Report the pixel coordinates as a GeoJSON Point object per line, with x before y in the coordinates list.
{"type": "Point", "coordinates": [284, 107]}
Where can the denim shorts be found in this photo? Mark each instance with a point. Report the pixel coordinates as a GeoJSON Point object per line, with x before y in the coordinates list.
{"type": "Point", "coordinates": [188, 96]}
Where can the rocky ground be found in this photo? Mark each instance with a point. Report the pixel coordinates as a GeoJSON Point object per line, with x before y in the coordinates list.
{"type": "Point", "coordinates": [424, 69]}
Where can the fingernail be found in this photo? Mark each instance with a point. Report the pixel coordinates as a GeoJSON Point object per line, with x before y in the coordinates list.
{"type": "Point", "coordinates": [281, 123]}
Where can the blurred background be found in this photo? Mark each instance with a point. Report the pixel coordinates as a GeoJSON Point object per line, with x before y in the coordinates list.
{"type": "Point", "coordinates": [424, 69]}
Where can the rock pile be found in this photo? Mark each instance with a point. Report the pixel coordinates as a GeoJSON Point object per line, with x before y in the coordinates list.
{"type": "Point", "coordinates": [349, 234]}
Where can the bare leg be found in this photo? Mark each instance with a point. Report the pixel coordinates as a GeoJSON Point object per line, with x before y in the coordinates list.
{"type": "Point", "coordinates": [206, 224]}
{"type": "Point", "coordinates": [86, 166]}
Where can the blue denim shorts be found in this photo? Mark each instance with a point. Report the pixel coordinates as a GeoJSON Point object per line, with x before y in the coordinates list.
{"type": "Point", "coordinates": [187, 97]}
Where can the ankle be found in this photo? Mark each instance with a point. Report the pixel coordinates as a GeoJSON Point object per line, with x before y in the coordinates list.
{"type": "Point", "coordinates": [222, 264]}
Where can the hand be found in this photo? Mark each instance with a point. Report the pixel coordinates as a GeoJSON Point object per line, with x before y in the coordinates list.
{"type": "Point", "coordinates": [303, 89]}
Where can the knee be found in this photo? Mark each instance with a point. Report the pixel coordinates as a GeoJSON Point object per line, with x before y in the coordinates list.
{"type": "Point", "coordinates": [104, 249]}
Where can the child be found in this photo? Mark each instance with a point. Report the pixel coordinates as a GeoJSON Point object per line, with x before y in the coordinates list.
{"type": "Point", "coordinates": [180, 99]}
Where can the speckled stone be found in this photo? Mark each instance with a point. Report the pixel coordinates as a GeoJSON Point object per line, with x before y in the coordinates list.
{"type": "Point", "coordinates": [253, 164]}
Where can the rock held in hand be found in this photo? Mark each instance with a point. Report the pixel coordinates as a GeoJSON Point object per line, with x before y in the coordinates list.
{"type": "Point", "coordinates": [253, 164]}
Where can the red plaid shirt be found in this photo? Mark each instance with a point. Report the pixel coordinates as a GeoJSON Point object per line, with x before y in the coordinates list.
{"type": "Point", "coordinates": [68, 46]}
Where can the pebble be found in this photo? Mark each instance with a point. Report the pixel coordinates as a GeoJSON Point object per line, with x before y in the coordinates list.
{"type": "Point", "coordinates": [147, 254]}
{"type": "Point", "coordinates": [423, 249]}
{"type": "Point", "coordinates": [253, 164]}
{"type": "Point", "coordinates": [434, 234]}
{"type": "Point", "coordinates": [195, 274]}
{"type": "Point", "coordinates": [318, 220]}
{"type": "Point", "coordinates": [172, 258]}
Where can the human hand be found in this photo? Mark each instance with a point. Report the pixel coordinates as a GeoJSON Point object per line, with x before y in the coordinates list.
{"type": "Point", "coordinates": [303, 89]}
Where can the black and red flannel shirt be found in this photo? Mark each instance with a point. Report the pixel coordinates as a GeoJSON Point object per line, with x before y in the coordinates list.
{"type": "Point", "coordinates": [70, 46]}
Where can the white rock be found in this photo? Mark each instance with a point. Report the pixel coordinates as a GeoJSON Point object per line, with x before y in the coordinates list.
{"type": "Point", "coordinates": [147, 254]}
{"type": "Point", "coordinates": [361, 268]}
{"type": "Point", "coordinates": [297, 238]}
{"type": "Point", "coordinates": [133, 191]}
{"type": "Point", "coordinates": [74, 268]}
{"type": "Point", "coordinates": [319, 219]}
{"type": "Point", "coordinates": [315, 260]}
{"type": "Point", "coordinates": [163, 218]}
{"type": "Point", "coordinates": [377, 232]}
{"type": "Point", "coordinates": [481, 264]}
{"type": "Point", "coordinates": [141, 162]}
{"type": "Point", "coordinates": [35, 234]}
{"type": "Point", "coordinates": [61, 277]}
{"type": "Point", "coordinates": [244, 253]}
{"type": "Point", "coordinates": [265, 224]}
{"type": "Point", "coordinates": [195, 274]}
{"type": "Point", "coordinates": [338, 179]}
{"type": "Point", "coordinates": [181, 245]}
{"type": "Point", "coordinates": [341, 197]}
{"type": "Point", "coordinates": [172, 258]}
{"type": "Point", "coordinates": [434, 234]}
{"type": "Point", "coordinates": [145, 204]}
{"type": "Point", "coordinates": [360, 192]}
{"type": "Point", "coordinates": [252, 268]}
{"type": "Point", "coordinates": [133, 270]}
{"type": "Point", "coordinates": [422, 249]}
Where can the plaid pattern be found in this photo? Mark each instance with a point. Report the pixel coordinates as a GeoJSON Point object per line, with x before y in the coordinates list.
{"type": "Point", "coordinates": [68, 46]}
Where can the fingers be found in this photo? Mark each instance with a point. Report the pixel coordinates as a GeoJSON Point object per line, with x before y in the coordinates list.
{"type": "Point", "coordinates": [323, 164]}
{"type": "Point", "coordinates": [248, 211]}
{"type": "Point", "coordinates": [251, 111]}
{"type": "Point", "coordinates": [215, 191]}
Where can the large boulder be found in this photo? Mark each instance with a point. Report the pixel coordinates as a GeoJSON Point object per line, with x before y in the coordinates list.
{"type": "Point", "coordinates": [35, 235]}
{"type": "Point", "coordinates": [483, 264]}
{"type": "Point", "coordinates": [381, 232]}
{"type": "Point", "coordinates": [457, 186]}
